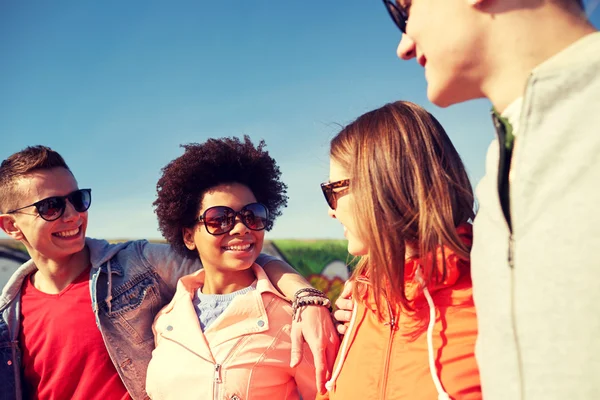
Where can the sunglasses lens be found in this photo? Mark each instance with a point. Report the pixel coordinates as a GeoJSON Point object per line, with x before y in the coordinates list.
{"type": "Point", "coordinates": [51, 208]}
{"type": "Point", "coordinates": [254, 216]}
{"type": "Point", "coordinates": [219, 220]}
{"type": "Point", "coordinates": [81, 200]}
{"type": "Point", "coordinates": [329, 197]}
{"type": "Point", "coordinates": [398, 16]}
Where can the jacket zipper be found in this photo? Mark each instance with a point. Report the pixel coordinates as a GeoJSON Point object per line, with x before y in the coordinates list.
{"type": "Point", "coordinates": [393, 323]}
{"type": "Point", "coordinates": [504, 167]}
{"type": "Point", "coordinates": [217, 380]}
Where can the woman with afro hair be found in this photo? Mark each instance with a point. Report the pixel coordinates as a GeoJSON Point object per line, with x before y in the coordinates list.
{"type": "Point", "coordinates": [227, 332]}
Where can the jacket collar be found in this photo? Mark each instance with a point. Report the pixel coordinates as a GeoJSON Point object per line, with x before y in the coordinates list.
{"type": "Point", "coordinates": [574, 55]}
{"type": "Point", "coordinates": [247, 314]}
{"type": "Point", "coordinates": [100, 252]}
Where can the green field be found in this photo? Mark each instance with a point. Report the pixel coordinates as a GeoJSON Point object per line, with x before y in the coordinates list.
{"type": "Point", "coordinates": [310, 256]}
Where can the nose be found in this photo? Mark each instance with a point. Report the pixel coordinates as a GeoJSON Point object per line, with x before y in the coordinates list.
{"type": "Point", "coordinates": [70, 213]}
{"type": "Point", "coordinates": [238, 227]}
{"type": "Point", "coordinates": [331, 213]}
{"type": "Point", "coordinates": [407, 48]}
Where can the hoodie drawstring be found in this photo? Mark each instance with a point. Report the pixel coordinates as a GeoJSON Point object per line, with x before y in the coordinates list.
{"type": "Point", "coordinates": [442, 395]}
{"type": "Point", "coordinates": [330, 384]}
{"type": "Point", "coordinates": [108, 298]}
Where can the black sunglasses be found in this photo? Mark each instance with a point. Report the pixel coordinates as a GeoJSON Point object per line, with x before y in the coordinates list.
{"type": "Point", "coordinates": [219, 220]}
{"type": "Point", "coordinates": [398, 14]}
{"type": "Point", "coordinates": [52, 208]}
{"type": "Point", "coordinates": [330, 195]}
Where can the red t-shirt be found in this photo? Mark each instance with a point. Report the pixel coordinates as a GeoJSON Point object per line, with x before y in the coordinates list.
{"type": "Point", "coordinates": [64, 356]}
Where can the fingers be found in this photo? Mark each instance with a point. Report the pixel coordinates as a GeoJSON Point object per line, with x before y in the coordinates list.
{"type": "Point", "coordinates": [321, 371]}
{"type": "Point", "coordinates": [331, 353]}
{"type": "Point", "coordinates": [344, 304]}
{"type": "Point", "coordinates": [341, 328]}
{"type": "Point", "coordinates": [297, 343]}
{"type": "Point", "coordinates": [347, 291]}
{"type": "Point", "coordinates": [342, 316]}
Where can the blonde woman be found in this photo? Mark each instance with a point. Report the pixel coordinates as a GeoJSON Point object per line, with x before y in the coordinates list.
{"type": "Point", "coordinates": [400, 190]}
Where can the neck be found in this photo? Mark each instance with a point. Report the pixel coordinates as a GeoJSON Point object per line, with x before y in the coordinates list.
{"type": "Point", "coordinates": [224, 282]}
{"type": "Point", "coordinates": [525, 39]}
{"type": "Point", "coordinates": [53, 275]}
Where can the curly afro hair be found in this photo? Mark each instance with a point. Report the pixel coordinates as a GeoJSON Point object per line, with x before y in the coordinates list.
{"type": "Point", "coordinates": [186, 179]}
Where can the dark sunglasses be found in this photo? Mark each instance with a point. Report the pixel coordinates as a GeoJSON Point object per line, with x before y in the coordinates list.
{"type": "Point", "coordinates": [219, 220]}
{"type": "Point", "coordinates": [52, 208]}
{"type": "Point", "coordinates": [328, 191]}
{"type": "Point", "coordinates": [398, 14]}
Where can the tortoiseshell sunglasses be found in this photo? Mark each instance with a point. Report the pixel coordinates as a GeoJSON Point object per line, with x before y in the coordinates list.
{"type": "Point", "coordinates": [328, 191]}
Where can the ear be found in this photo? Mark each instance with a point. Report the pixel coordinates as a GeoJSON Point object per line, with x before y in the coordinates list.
{"type": "Point", "coordinates": [9, 225]}
{"type": "Point", "coordinates": [188, 238]}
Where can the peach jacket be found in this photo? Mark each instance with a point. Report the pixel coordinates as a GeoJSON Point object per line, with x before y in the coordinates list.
{"type": "Point", "coordinates": [243, 355]}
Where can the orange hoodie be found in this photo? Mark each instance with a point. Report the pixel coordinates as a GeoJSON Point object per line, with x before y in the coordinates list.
{"type": "Point", "coordinates": [410, 355]}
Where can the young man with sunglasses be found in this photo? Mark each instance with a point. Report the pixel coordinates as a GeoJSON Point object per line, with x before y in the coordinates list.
{"type": "Point", "coordinates": [535, 270]}
{"type": "Point", "coordinates": [75, 320]}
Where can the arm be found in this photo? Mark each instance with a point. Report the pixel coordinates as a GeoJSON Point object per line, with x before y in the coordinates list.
{"type": "Point", "coordinates": [315, 325]}
{"type": "Point", "coordinates": [285, 278]}
{"type": "Point", "coordinates": [168, 264]}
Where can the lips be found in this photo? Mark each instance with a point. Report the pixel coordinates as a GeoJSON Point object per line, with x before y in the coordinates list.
{"type": "Point", "coordinates": [422, 60]}
{"type": "Point", "coordinates": [239, 247]}
{"type": "Point", "coordinates": [68, 233]}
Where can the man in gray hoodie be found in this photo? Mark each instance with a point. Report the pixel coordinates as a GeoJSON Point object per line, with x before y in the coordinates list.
{"type": "Point", "coordinates": [536, 274]}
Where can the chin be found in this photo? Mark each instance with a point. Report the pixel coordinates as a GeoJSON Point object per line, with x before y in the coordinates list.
{"type": "Point", "coordinates": [445, 95]}
{"type": "Point", "coordinates": [357, 249]}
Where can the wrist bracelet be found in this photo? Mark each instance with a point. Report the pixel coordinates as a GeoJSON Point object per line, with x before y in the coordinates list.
{"type": "Point", "coordinates": [304, 301]}
{"type": "Point", "coordinates": [312, 291]}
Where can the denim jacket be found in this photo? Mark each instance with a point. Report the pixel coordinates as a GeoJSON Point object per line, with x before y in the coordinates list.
{"type": "Point", "coordinates": [129, 283]}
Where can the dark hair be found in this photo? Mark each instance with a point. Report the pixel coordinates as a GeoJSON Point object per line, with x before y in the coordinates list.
{"type": "Point", "coordinates": [187, 178]}
{"type": "Point", "coordinates": [30, 159]}
{"type": "Point", "coordinates": [410, 186]}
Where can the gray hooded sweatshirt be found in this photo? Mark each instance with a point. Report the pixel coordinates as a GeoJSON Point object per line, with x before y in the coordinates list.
{"type": "Point", "coordinates": [536, 281]}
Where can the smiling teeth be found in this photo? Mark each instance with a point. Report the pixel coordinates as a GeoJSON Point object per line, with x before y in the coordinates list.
{"type": "Point", "coordinates": [68, 233]}
{"type": "Point", "coordinates": [238, 248]}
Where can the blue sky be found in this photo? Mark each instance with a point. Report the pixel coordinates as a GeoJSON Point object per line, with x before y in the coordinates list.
{"type": "Point", "coordinates": [117, 86]}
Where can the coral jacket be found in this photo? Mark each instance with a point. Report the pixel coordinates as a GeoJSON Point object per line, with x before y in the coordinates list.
{"type": "Point", "coordinates": [393, 358]}
{"type": "Point", "coordinates": [244, 354]}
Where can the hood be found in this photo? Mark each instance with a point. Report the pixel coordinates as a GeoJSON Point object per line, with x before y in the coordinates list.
{"type": "Point", "coordinates": [100, 252]}
{"type": "Point", "coordinates": [457, 269]}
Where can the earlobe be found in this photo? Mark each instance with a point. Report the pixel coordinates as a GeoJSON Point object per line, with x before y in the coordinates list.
{"type": "Point", "coordinates": [188, 238]}
{"type": "Point", "coordinates": [9, 226]}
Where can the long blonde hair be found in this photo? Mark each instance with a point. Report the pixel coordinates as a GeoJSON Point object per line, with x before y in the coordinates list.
{"type": "Point", "coordinates": [409, 186]}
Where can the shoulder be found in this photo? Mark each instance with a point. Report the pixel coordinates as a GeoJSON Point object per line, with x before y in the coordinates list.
{"type": "Point", "coordinates": [13, 286]}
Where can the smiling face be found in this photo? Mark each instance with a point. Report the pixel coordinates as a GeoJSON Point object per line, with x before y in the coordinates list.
{"type": "Point", "coordinates": [232, 252]}
{"type": "Point", "coordinates": [53, 240]}
{"type": "Point", "coordinates": [446, 39]}
{"type": "Point", "coordinates": [344, 211]}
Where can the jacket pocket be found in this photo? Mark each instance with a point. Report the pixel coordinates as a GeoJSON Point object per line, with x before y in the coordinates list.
{"type": "Point", "coordinates": [133, 307]}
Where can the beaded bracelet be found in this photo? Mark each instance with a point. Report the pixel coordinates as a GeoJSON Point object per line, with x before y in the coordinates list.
{"type": "Point", "coordinates": [315, 298]}
{"type": "Point", "coordinates": [315, 292]}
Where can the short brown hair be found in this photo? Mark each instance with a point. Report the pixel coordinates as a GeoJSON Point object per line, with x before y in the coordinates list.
{"type": "Point", "coordinates": [30, 159]}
